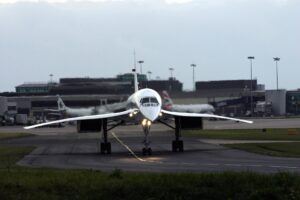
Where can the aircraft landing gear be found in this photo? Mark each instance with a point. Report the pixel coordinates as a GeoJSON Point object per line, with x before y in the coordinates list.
{"type": "Point", "coordinates": [177, 144]}
{"type": "Point", "coordinates": [147, 151]}
{"type": "Point", "coordinates": [105, 146]}
{"type": "Point", "coordinates": [146, 128]}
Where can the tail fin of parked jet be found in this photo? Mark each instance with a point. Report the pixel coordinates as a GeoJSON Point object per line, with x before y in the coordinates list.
{"type": "Point", "coordinates": [167, 101]}
{"type": "Point", "coordinates": [60, 104]}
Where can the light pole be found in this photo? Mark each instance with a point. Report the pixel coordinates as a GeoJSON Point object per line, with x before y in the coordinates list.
{"type": "Point", "coordinates": [171, 79]}
{"type": "Point", "coordinates": [51, 78]}
{"type": "Point", "coordinates": [149, 74]}
{"type": "Point", "coordinates": [251, 86]}
{"type": "Point", "coordinates": [193, 66]}
{"type": "Point", "coordinates": [141, 62]}
{"type": "Point", "coordinates": [276, 59]}
{"type": "Point", "coordinates": [171, 72]}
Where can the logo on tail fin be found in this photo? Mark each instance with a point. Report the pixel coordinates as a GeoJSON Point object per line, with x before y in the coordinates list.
{"type": "Point", "coordinates": [167, 101]}
{"type": "Point", "coordinates": [60, 104]}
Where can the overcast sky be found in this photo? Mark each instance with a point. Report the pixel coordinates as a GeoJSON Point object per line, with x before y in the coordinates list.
{"type": "Point", "coordinates": [96, 38]}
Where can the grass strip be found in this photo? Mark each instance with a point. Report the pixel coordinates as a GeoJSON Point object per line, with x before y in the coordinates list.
{"type": "Point", "coordinates": [88, 184]}
{"type": "Point", "coordinates": [247, 134]}
{"type": "Point", "coordinates": [283, 149]}
{"type": "Point", "coordinates": [30, 183]}
{"type": "Point", "coordinates": [10, 155]}
{"type": "Point", "coordinates": [13, 135]}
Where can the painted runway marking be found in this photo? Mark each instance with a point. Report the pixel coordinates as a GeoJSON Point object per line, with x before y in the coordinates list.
{"type": "Point", "coordinates": [288, 167]}
{"type": "Point", "coordinates": [254, 165]}
{"type": "Point", "coordinates": [233, 165]}
{"type": "Point", "coordinates": [127, 147]}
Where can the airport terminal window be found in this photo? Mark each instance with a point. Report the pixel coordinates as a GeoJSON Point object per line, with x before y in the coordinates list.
{"type": "Point", "coordinates": [11, 108]}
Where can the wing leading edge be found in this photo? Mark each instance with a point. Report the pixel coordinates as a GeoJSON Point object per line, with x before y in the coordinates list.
{"type": "Point", "coordinates": [89, 117]}
{"type": "Point", "coordinates": [182, 114]}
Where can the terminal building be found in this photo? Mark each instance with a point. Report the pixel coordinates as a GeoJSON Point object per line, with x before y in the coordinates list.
{"type": "Point", "coordinates": [33, 99]}
{"type": "Point", "coordinates": [293, 102]}
{"type": "Point", "coordinates": [229, 97]}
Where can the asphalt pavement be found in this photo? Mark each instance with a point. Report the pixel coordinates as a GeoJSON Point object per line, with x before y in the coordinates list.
{"type": "Point", "coordinates": [66, 149]}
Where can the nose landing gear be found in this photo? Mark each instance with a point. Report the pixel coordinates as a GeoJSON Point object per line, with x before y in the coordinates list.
{"type": "Point", "coordinates": [146, 124]}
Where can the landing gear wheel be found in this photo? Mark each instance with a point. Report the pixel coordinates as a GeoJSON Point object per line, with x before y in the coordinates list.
{"type": "Point", "coordinates": [105, 148]}
{"type": "Point", "coordinates": [147, 151]}
{"type": "Point", "coordinates": [144, 151]}
{"type": "Point", "coordinates": [177, 146]}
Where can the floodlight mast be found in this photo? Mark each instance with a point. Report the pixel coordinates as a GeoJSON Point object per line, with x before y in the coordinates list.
{"type": "Point", "coordinates": [276, 59]}
{"type": "Point", "coordinates": [141, 67]}
{"type": "Point", "coordinates": [251, 86]}
{"type": "Point", "coordinates": [171, 72]}
{"type": "Point", "coordinates": [51, 78]}
{"type": "Point", "coordinates": [149, 75]}
{"type": "Point", "coordinates": [193, 66]}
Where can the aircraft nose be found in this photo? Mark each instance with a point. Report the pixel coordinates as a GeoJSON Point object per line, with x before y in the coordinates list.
{"type": "Point", "coordinates": [150, 113]}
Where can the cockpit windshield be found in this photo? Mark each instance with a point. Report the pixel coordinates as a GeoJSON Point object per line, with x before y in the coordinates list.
{"type": "Point", "coordinates": [149, 101]}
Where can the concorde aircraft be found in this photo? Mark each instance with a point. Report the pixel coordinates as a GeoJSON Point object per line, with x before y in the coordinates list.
{"type": "Point", "coordinates": [146, 103]}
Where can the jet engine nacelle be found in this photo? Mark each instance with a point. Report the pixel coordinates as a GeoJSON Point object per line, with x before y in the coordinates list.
{"type": "Point", "coordinates": [94, 125]}
{"type": "Point", "coordinates": [189, 123]}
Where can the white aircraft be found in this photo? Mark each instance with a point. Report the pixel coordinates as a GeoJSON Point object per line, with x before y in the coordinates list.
{"type": "Point", "coordinates": [146, 103]}
{"type": "Point", "coordinates": [75, 112]}
{"type": "Point", "coordinates": [189, 108]}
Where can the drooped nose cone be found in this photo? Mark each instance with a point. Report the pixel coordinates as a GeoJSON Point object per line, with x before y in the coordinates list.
{"type": "Point", "coordinates": [151, 113]}
{"type": "Point", "coordinates": [149, 103]}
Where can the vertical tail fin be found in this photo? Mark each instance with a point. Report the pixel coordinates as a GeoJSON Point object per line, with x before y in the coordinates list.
{"type": "Point", "coordinates": [167, 101]}
{"type": "Point", "coordinates": [60, 104]}
{"type": "Point", "coordinates": [136, 84]}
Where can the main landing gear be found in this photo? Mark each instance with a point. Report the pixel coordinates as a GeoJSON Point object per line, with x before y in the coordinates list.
{"type": "Point", "coordinates": [177, 144]}
{"type": "Point", "coordinates": [146, 124]}
{"type": "Point", "coordinates": [105, 146]}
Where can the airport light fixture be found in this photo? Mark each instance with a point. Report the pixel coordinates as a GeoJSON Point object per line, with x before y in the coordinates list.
{"type": "Point", "coordinates": [141, 63]}
{"type": "Point", "coordinates": [251, 86]}
{"type": "Point", "coordinates": [276, 59]}
{"type": "Point", "coordinates": [149, 74]}
{"type": "Point", "coordinates": [51, 78]}
{"type": "Point", "coordinates": [171, 72]}
{"type": "Point", "coordinates": [193, 66]}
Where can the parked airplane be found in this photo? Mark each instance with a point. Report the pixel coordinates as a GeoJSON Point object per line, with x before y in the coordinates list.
{"type": "Point", "coordinates": [75, 112]}
{"type": "Point", "coordinates": [189, 108]}
{"type": "Point", "coordinates": [146, 103]}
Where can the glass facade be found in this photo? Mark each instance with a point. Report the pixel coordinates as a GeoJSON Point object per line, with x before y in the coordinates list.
{"type": "Point", "coordinates": [293, 102]}
{"type": "Point", "coordinates": [130, 77]}
{"type": "Point", "coordinates": [32, 89]}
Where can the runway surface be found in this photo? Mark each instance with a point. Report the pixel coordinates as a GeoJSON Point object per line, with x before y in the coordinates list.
{"type": "Point", "coordinates": [64, 148]}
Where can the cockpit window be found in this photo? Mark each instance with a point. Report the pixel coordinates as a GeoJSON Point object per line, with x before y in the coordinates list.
{"type": "Point", "coordinates": [153, 100]}
{"type": "Point", "coordinates": [149, 101]}
{"type": "Point", "coordinates": [145, 100]}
